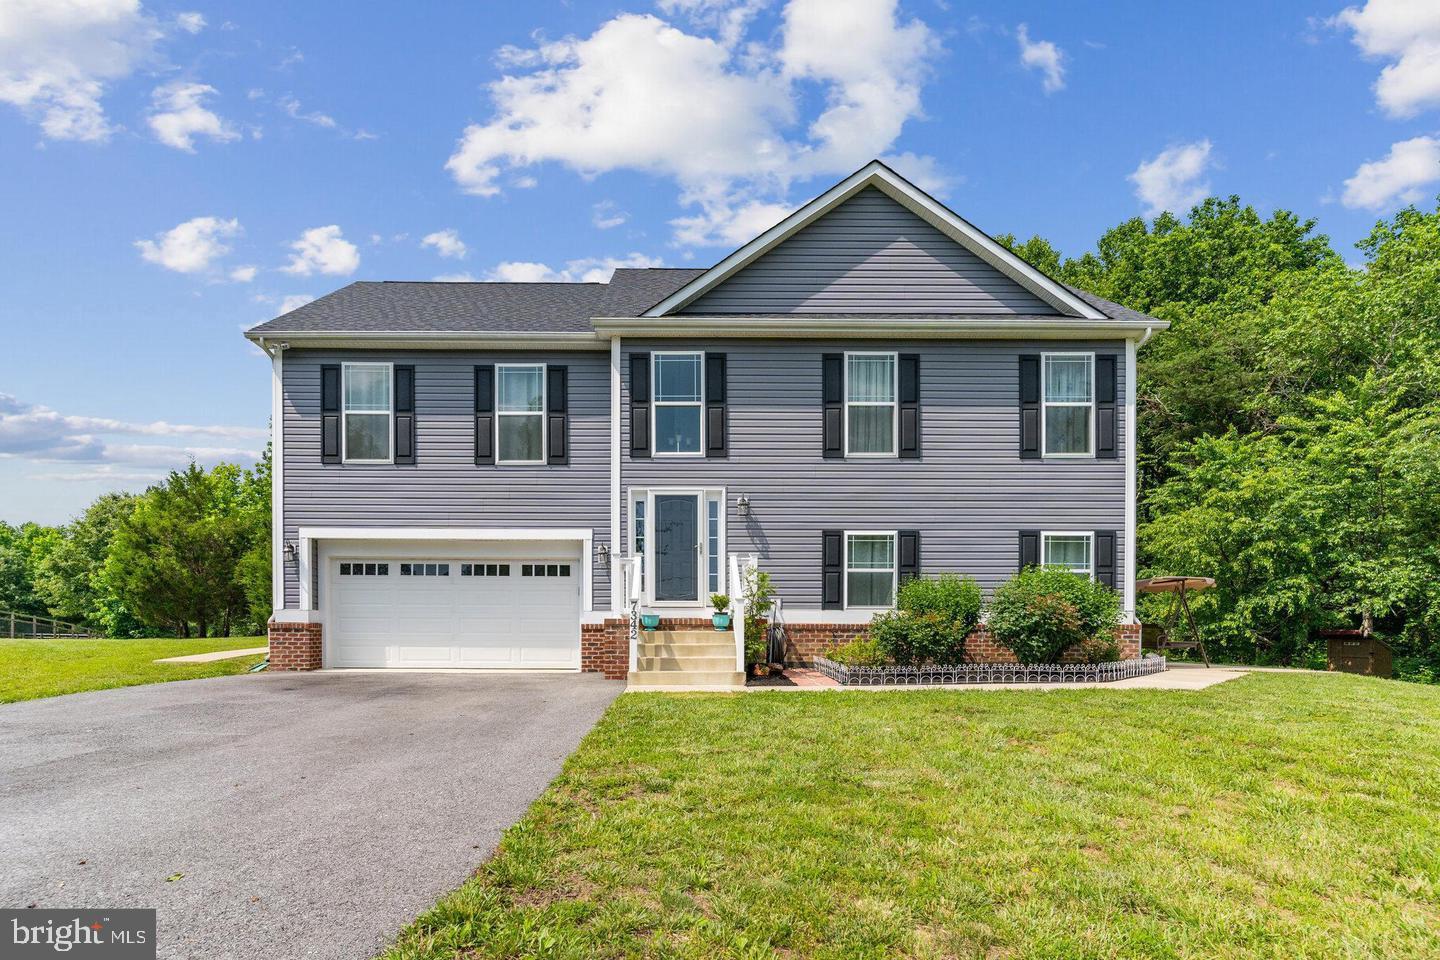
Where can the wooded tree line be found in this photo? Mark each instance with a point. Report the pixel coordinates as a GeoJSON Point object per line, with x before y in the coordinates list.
{"type": "Point", "coordinates": [188, 557]}
{"type": "Point", "coordinates": [1289, 447]}
{"type": "Point", "coordinates": [1289, 423]}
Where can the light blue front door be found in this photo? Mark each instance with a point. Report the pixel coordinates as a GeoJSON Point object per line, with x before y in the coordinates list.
{"type": "Point", "coordinates": [677, 547]}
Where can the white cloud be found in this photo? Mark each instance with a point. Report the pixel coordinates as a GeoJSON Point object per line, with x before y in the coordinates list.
{"type": "Point", "coordinates": [924, 172]}
{"type": "Point", "coordinates": [57, 57]}
{"type": "Point", "coordinates": [293, 302]}
{"type": "Point", "coordinates": [1402, 177]}
{"type": "Point", "coordinates": [1044, 56]}
{"type": "Point", "coordinates": [190, 22]}
{"type": "Point", "coordinates": [1408, 33]}
{"type": "Point", "coordinates": [1173, 179]}
{"type": "Point", "coordinates": [606, 214]}
{"type": "Point", "coordinates": [178, 115]}
{"type": "Point", "coordinates": [323, 250]}
{"type": "Point", "coordinates": [39, 433]}
{"type": "Point", "coordinates": [244, 274]}
{"type": "Point", "coordinates": [465, 277]}
{"type": "Point", "coordinates": [728, 219]}
{"type": "Point", "coordinates": [717, 116]}
{"type": "Point", "coordinates": [588, 270]}
{"type": "Point", "coordinates": [728, 18]}
{"type": "Point", "coordinates": [292, 108]}
{"type": "Point", "coordinates": [189, 247]}
{"type": "Point", "coordinates": [446, 242]}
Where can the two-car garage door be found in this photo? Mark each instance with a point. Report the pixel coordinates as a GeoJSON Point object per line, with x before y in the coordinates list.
{"type": "Point", "coordinates": [453, 612]}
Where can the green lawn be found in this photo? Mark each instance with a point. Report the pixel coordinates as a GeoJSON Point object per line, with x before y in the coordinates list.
{"type": "Point", "coordinates": [1278, 815]}
{"type": "Point", "coordinates": [48, 668]}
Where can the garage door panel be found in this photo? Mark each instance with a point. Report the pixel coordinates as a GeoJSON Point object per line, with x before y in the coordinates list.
{"type": "Point", "coordinates": [485, 614]}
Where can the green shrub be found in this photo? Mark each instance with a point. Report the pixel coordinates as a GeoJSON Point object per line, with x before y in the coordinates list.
{"type": "Point", "coordinates": [860, 652]}
{"type": "Point", "coordinates": [956, 600]}
{"type": "Point", "coordinates": [1041, 612]}
{"type": "Point", "coordinates": [931, 619]}
{"type": "Point", "coordinates": [1097, 650]}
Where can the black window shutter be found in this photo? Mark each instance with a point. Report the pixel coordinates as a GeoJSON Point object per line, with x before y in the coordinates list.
{"type": "Point", "coordinates": [557, 414]}
{"type": "Point", "coordinates": [1105, 557]}
{"type": "Point", "coordinates": [716, 400]}
{"type": "Point", "coordinates": [1029, 548]}
{"type": "Point", "coordinates": [404, 414]}
{"type": "Point", "coordinates": [484, 413]}
{"type": "Point", "coordinates": [832, 395]}
{"type": "Point", "coordinates": [832, 569]}
{"type": "Point", "coordinates": [1106, 420]}
{"type": "Point", "coordinates": [908, 567]}
{"type": "Point", "coordinates": [639, 405]}
{"type": "Point", "coordinates": [330, 413]}
{"type": "Point", "coordinates": [1029, 406]}
{"type": "Point", "coordinates": [910, 406]}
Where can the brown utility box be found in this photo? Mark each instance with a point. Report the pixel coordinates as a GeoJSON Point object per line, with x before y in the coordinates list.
{"type": "Point", "coordinates": [1351, 651]}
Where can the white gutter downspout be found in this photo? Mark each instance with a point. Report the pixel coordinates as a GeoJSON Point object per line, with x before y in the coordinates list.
{"type": "Point", "coordinates": [616, 586]}
{"type": "Point", "coordinates": [277, 472]}
{"type": "Point", "coordinates": [1132, 489]}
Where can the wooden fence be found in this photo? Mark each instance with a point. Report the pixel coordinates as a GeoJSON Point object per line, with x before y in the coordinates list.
{"type": "Point", "coordinates": [30, 627]}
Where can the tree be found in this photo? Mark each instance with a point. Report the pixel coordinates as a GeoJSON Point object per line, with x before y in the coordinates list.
{"type": "Point", "coordinates": [173, 559]}
{"type": "Point", "coordinates": [70, 578]}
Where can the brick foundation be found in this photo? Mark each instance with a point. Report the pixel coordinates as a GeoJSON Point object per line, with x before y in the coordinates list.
{"type": "Point", "coordinates": [806, 641]}
{"type": "Point", "coordinates": [295, 646]}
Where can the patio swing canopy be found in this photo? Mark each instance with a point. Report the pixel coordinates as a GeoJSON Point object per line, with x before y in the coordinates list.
{"type": "Point", "coordinates": [1174, 584]}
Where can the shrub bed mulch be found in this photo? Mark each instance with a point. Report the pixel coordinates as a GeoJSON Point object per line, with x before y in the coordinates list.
{"type": "Point", "coordinates": [989, 672]}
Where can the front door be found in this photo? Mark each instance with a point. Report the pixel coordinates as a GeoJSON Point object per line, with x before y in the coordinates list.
{"type": "Point", "coordinates": [677, 547]}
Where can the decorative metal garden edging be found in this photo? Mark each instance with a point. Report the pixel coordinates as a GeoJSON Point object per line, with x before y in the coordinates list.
{"type": "Point", "coordinates": [990, 672]}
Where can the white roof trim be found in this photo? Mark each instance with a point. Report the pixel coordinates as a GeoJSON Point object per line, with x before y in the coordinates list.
{"type": "Point", "coordinates": [944, 219]}
{"type": "Point", "coordinates": [990, 327]}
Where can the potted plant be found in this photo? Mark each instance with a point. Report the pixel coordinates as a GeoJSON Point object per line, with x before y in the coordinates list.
{"type": "Point", "coordinates": [721, 616]}
{"type": "Point", "coordinates": [649, 621]}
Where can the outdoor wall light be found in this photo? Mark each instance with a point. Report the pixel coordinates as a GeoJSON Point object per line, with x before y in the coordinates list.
{"type": "Point", "coordinates": [743, 505]}
{"type": "Point", "coordinates": [289, 552]}
{"type": "Point", "coordinates": [602, 552]}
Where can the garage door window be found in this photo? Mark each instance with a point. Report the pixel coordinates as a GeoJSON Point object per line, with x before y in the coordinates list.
{"type": "Point", "coordinates": [364, 569]}
{"type": "Point", "coordinates": [484, 569]}
{"type": "Point", "coordinates": [424, 569]}
{"type": "Point", "coordinates": [545, 570]}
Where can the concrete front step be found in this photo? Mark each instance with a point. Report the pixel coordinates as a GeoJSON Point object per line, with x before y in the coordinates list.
{"type": "Point", "coordinates": [686, 636]}
{"type": "Point", "coordinates": [686, 650]}
{"type": "Point", "coordinates": [640, 679]}
{"type": "Point", "coordinates": [686, 664]}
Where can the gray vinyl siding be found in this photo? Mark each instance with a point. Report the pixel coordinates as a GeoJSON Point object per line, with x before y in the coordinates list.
{"type": "Point", "coordinates": [445, 488]}
{"type": "Point", "coordinates": [969, 495]}
{"type": "Point", "coordinates": [872, 255]}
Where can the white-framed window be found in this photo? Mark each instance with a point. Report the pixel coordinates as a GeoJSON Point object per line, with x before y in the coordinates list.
{"type": "Point", "coordinates": [678, 411]}
{"type": "Point", "coordinates": [1067, 422]}
{"type": "Point", "coordinates": [712, 543]}
{"type": "Point", "coordinates": [871, 411]}
{"type": "Point", "coordinates": [1073, 550]}
{"type": "Point", "coordinates": [870, 569]}
{"type": "Point", "coordinates": [368, 406]}
{"type": "Point", "coordinates": [637, 531]}
{"type": "Point", "coordinates": [520, 412]}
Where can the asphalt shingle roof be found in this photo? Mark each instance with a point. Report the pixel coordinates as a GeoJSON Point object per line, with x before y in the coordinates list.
{"type": "Point", "coordinates": [481, 307]}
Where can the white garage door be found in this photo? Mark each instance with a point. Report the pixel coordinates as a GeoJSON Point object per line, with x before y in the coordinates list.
{"type": "Point", "coordinates": [445, 612]}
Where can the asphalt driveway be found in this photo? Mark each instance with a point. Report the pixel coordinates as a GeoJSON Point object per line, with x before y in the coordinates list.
{"type": "Point", "coordinates": [277, 815]}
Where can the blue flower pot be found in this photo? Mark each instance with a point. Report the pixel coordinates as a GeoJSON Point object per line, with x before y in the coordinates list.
{"type": "Point", "coordinates": [649, 621]}
{"type": "Point", "coordinates": [721, 620]}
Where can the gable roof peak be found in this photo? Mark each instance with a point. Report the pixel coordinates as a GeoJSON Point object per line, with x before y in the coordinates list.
{"type": "Point", "coordinates": [878, 174]}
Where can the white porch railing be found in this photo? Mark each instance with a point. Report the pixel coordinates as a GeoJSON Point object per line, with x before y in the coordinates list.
{"type": "Point", "coordinates": [740, 576]}
{"type": "Point", "coordinates": [632, 570]}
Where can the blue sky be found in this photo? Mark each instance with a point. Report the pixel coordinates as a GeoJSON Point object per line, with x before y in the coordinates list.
{"type": "Point", "coordinates": [173, 174]}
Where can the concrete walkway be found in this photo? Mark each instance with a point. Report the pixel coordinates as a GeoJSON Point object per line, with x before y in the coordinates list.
{"type": "Point", "coordinates": [217, 655]}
